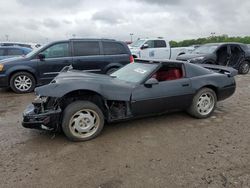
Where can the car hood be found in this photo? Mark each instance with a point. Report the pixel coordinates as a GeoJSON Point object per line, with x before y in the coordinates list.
{"type": "Point", "coordinates": [12, 60]}
{"type": "Point", "coordinates": [105, 85]}
{"type": "Point", "coordinates": [186, 57]}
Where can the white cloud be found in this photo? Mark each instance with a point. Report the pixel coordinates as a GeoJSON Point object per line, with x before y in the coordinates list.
{"type": "Point", "coordinates": [38, 21]}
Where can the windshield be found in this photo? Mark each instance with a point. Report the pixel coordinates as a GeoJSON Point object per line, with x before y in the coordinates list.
{"type": "Point", "coordinates": [33, 52]}
{"type": "Point", "coordinates": [137, 43]}
{"type": "Point", "coordinates": [205, 49]}
{"type": "Point", "coordinates": [134, 72]}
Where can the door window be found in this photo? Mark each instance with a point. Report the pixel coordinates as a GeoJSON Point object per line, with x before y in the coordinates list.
{"type": "Point", "coordinates": [1, 52]}
{"type": "Point", "coordinates": [14, 52]}
{"type": "Point", "coordinates": [160, 44]}
{"type": "Point", "coordinates": [57, 50]}
{"type": "Point", "coordinates": [113, 48]}
{"type": "Point", "coordinates": [86, 48]}
{"type": "Point", "coordinates": [150, 43]}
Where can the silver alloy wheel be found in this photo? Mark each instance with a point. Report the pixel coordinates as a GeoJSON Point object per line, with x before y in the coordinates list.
{"type": "Point", "coordinates": [205, 103]}
{"type": "Point", "coordinates": [84, 123]}
{"type": "Point", "coordinates": [23, 83]}
{"type": "Point", "coordinates": [245, 68]}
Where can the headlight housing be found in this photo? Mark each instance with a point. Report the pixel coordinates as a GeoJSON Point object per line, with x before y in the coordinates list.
{"type": "Point", "coordinates": [1, 67]}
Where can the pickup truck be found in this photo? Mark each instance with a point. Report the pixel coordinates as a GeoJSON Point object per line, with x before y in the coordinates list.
{"type": "Point", "coordinates": [156, 48]}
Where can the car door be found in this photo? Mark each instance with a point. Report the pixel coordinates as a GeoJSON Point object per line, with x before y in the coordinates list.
{"type": "Point", "coordinates": [162, 97]}
{"type": "Point", "coordinates": [161, 50]}
{"type": "Point", "coordinates": [12, 52]}
{"type": "Point", "coordinates": [56, 57]}
{"type": "Point", "coordinates": [2, 53]}
{"type": "Point", "coordinates": [148, 53]}
{"type": "Point", "coordinates": [87, 56]}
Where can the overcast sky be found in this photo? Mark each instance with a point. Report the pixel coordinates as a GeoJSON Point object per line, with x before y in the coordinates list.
{"type": "Point", "coordinates": [48, 20]}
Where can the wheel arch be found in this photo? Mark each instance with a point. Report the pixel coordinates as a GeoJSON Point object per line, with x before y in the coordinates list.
{"type": "Point", "coordinates": [22, 70]}
{"type": "Point", "coordinates": [214, 88]}
{"type": "Point", "coordinates": [83, 94]}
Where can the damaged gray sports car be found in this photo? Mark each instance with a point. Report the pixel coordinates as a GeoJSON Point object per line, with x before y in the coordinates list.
{"type": "Point", "coordinates": [80, 103]}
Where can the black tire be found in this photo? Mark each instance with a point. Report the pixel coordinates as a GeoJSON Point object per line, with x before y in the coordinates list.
{"type": "Point", "coordinates": [244, 67]}
{"type": "Point", "coordinates": [27, 87]}
{"type": "Point", "coordinates": [111, 70]}
{"type": "Point", "coordinates": [71, 111]}
{"type": "Point", "coordinates": [194, 109]}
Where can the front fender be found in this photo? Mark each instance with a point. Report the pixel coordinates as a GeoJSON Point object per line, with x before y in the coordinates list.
{"type": "Point", "coordinates": [17, 68]}
{"type": "Point", "coordinates": [59, 90]}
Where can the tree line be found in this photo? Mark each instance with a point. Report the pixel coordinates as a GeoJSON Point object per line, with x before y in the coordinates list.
{"type": "Point", "coordinates": [212, 39]}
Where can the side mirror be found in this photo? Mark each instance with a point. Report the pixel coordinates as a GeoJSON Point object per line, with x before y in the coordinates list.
{"type": "Point", "coordinates": [41, 57]}
{"type": "Point", "coordinates": [144, 46]}
{"type": "Point", "coordinates": [150, 82]}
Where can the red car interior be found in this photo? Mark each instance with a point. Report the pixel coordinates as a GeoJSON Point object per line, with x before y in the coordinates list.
{"type": "Point", "coordinates": [171, 74]}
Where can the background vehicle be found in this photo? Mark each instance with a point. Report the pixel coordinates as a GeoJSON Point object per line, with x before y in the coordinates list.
{"type": "Point", "coordinates": [13, 51]}
{"type": "Point", "coordinates": [235, 55]}
{"type": "Point", "coordinates": [40, 66]}
{"type": "Point", "coordinates": [80, 102]}
{"type": "Point", "coordinates": [157, 48]}
{"type": "Point", "coordinates": [21, 44]}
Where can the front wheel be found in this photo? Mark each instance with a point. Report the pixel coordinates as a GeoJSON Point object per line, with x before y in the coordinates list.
{"type": "Point", "coordinates": [82, 120]}
{"type": "Point", "coordinates": [244, 67]}
{"type": "Point", "coordinates": [22, 82]}
{"type": "Point", "coordinates": [203, 103]}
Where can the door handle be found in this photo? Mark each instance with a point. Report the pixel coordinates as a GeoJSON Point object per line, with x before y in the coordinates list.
{"type": "Point", "coordinates": [185, 85]}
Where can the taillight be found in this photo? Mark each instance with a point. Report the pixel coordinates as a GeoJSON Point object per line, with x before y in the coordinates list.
{"type": "Point", "coordinates": [131, 59]}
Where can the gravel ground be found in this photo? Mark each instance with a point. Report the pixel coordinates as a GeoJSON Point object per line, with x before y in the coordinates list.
{"type": "Point", "coordinates": [173, 150]}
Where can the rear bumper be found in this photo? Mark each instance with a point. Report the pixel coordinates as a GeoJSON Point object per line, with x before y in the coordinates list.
{"type": "Point", "coordinates": [3, 81]}
{"type": "Point", "coordinates": [226, 92]}
{"type": "Point", "coordinates": [48, 120]}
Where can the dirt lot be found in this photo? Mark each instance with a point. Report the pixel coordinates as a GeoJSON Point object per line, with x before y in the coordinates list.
{"type": "Point", "coordinates": [174, 150]}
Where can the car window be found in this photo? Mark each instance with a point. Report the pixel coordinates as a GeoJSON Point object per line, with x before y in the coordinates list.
{"type": "Point", "coordinates": [160, 44]}
{"type": "Point", "coordinates": [150, 43]}
{"type": "Point", "coordinates": [86, 48]}
{"type": "Point", "coordinates": [112, 48]}
{"type": "Point", "coordinates": [57, 50]}
{"type": "Point", "coordinates": [1, 52]}
{"type": "Point", "coordinates": [15, 52]}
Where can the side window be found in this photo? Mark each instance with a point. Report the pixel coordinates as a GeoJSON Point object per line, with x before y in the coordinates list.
{"type": "Point", "coordinates": [14, 52]}
{"type": "Point", "coordinates": [57, 50]}
{"type": "Point", "coordinates": [168, 73]}
{"type": "Point", "coordinates": [160, 44]}
{"type": "Point", "coordinates": [1, 52]}
{"type": "Point", "coordinates": [113, 48]}
{"type": "Point", "coordinates": [150, 43]}
{"type": "Point", "coordinates": [86, 48]}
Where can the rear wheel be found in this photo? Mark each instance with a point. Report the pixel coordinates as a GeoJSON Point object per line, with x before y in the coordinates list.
{"type": "Point", "coordinates": [203, 104]}
{"type": "Point", "coordinates": [82, 120]}
{"type": "Point", "coordinates": [244, 67]}
{"type": "Point", "coordinates": [111, 70]}
{"type": "Point", "coordinates": [22, 82]}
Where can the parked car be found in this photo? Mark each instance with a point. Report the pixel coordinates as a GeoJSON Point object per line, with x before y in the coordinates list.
{"type": "Point", "coordinates": [39, 67]}
{"type": "Point", "coordinates": [21, 44]}
{"type": "Point", "coordinates": [80, 103]}
{"type": "Point", "coordinates": [156, 48]}
{"type": "Point", "coordinates": [13, 51]}
{"type": "Point", "coordinates": [235, 55]}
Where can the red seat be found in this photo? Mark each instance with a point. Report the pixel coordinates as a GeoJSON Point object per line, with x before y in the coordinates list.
{"type": "Point", "coordinates": [171, 74]}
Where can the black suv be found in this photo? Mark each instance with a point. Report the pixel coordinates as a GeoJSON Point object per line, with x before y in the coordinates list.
{"type": "Point", "coordinates": [39, 67]}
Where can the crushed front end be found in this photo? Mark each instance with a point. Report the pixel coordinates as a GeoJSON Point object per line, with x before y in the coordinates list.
{"type": "Point", "coordinates": [44, 113]}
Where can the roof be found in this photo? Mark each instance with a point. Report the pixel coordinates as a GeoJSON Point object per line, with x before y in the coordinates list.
{"type": "Point", "coordinates": [224, 43]}
{"type": "Point", "coordinates": [15, 47]}
{"type": "Point", "coordinates": [164, 61]}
